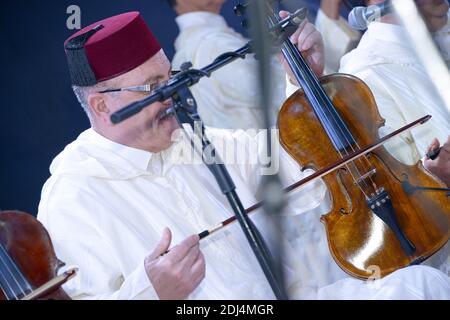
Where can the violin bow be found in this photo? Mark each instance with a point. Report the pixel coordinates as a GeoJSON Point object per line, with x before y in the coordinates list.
{"type": "Point", "coordinates": [321, 173]}
{"type": "Point", "coordinates": [51, 285]}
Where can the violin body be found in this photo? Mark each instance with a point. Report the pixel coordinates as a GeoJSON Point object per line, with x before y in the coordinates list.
{"type": "Point", "coordinates": [361, 242]}
{"type": "Point", "coordinates": [29, 246]}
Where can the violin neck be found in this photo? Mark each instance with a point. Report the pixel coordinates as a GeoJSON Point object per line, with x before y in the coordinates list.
{"type": "Point", "coordinates": [324, 109]}
{"type": "Point", "coordinates": [12, 282]}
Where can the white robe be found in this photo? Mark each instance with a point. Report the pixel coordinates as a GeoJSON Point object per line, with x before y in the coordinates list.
{"type": "Point", "coordinates": [229, 98]}
{"type": "Point", "coordinates": [106, 204]}
{"type": "Point", "coordinates": [385, 61]}
{"type": "Point", "coordinates": [338, 38]}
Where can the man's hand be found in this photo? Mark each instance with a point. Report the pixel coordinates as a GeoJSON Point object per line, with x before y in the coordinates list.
{"type": "Point", "coordinates": [175, 275]}
{"type": "Point", "coordinates": [309, 42]}
{"type": "Point", "coordinates": [440, 167]}
{"type": "Point", "coordinates": [434, 13]}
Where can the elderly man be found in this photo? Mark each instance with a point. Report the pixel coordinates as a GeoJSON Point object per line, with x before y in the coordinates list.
{"type": "Point", "coordinates": [116, 200]}
{"type": "Point", "coordinates": [229, 98]}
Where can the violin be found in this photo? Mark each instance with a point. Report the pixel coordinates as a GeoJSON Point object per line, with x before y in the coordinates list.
{"type": "Point", "coordinates": [376, 221]}
{"type": "Point", "coordinates": [28, 264]}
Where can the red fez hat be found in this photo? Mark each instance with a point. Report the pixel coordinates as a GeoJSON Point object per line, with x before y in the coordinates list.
{"type": "Point", "coordinates": [109, 48]}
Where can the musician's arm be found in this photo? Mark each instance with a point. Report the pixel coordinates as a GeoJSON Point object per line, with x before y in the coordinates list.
{"type": "Point", "coordinates": [338, 37]}
{"type": "Point", "coordinates": [70, 217]}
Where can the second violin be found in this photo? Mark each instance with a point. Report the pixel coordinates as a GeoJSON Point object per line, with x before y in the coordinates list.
{"type": "Point", "coordinates": [28, 264]}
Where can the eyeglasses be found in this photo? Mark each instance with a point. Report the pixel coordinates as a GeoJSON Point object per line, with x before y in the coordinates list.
{"type": "Point", "coordinates": [148, 88]}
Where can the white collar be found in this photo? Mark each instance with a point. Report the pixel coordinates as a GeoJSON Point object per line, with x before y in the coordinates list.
{"type": "Point", "coordinates": [388, 32]}
{"type": "Point", "coordinates": [200, 18]}
{"type": "Point", "coordinates": [383, 43]}
{"type": "Point", "coordinates": [137, 157]}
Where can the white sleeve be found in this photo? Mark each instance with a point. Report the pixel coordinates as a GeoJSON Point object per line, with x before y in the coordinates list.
{"type": "Point", "coordinates": [338, 37]}
{"type": "Point", "coordinates": [305, 198]}
{"type": "Point", "coordinates": [237, 81]}
{"type": "Point", "coordinates": [69, 217]}
{"type": "Point", "coordinates": [98, 277]}
{"type": "Point", "coordinates": [290, 87]}
{"type": "Point", "coordinates": [402, 147]}
{"type": "Point", "coordinates": [253, 171]}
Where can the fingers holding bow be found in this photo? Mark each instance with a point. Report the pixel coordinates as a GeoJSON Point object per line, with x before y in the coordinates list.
{"type": "Point", "coordinates": [440, 166]}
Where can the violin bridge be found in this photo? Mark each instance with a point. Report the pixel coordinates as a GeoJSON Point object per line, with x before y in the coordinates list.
{"type": "Point", "coordinates": [371, 173]}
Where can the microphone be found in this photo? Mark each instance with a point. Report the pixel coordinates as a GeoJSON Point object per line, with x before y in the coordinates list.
{"type": "Point", "coordinates": [360, 17]}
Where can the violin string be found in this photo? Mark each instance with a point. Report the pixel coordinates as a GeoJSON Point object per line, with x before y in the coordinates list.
{"type": "Point", "coordinates": [273, 19]}
{"type": "Point", "coordinates": [26, 285]}
{"type": "Point", "coordinates": [10, 266]}
{"type": "Point", "coordinates": [328, 106]}
{"type": "Point", "coordinates": [326, 102]}
{"type": "Point", "coordinates": [8, 291]}
{"type": "Point", "coordinates": [315, 88]}
{"type": "Point", "coordinates": [7, 268]}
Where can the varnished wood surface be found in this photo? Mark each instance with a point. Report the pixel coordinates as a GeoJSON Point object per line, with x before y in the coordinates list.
{"type": "Point", "coordinates": [359, 241]}
{"type": "Point", "coordinates": [29, 245]}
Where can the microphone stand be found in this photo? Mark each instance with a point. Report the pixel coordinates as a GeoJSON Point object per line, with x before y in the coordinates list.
{"type": "Point", "coordinates": [184, 105]}
{"type": "Point", "coordinates": [189, 77]}
{"type": "Point", "coordinates": [271, 186]}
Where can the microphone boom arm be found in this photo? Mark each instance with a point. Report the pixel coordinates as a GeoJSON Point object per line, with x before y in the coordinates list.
{"type": "Point", "coordinates": [189, 77]}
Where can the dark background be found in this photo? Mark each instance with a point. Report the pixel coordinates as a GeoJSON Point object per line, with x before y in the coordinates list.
{"type": "Point", "coordinates": [39, 114]}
